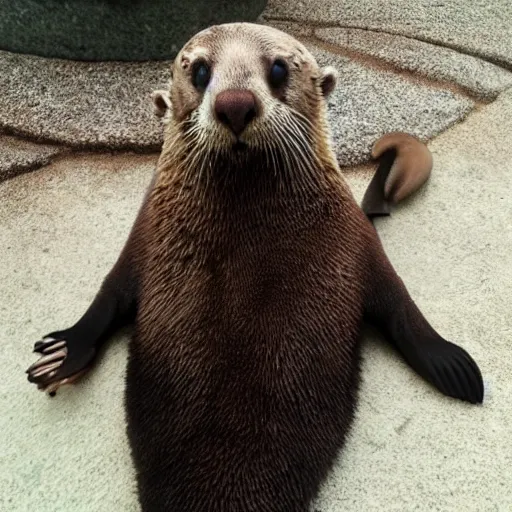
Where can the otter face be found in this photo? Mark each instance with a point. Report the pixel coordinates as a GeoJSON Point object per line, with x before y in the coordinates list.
{"type": "Point", "coordinates": [240, 85]}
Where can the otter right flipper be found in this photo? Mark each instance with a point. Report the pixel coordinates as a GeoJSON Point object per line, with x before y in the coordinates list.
{"type": "Point", "coordinates": [445, 365]}
{"type": "Point", "coordinates": [68, 354]}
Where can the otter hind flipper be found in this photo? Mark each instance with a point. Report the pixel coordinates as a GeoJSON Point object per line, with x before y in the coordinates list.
{"type": "Point", "coordinates": [405, 164]}
{"type": "Point", "coordinates": [447, 366]}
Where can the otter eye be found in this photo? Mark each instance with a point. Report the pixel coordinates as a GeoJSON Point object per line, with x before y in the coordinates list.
{"type": "Point", "coordinates": [201, 75]}
{"type": "Point", "coordinates": [278, 74]}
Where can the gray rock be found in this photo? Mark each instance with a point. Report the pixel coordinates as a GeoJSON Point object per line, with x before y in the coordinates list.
{"type": "Point", "coordinates": [367, 103]}
{"type": "Point", "coordinates": [480, 78]}
{"type": "Point", "coordinates": [107, 105]}
{"type": "Point", "coordinates": [295, 29]}
{"type": "Point", "coordinates": [478, 27]}
{"type": "Point", "coordinates": [18, 156]}
{"type": "Point", "coordinates": [91, 105]}
{"type": "Point", "coordinates": [113, 29]}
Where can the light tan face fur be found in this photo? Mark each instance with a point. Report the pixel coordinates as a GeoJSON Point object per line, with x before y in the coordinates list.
{"type": "Point", "coordinates": [240, 56]}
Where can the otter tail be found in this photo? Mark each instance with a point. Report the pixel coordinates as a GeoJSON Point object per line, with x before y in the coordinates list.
{"type": "Point", "coordinates": [405, 165]}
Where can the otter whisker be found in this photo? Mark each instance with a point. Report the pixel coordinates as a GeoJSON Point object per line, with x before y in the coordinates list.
{"type": "Point", "coordinates": [303, 119]}
{"type": "Point", "coordinates": [272, 160]}
{"type": "Point", "coordinates": [303, 138]}
{"type": "Point", "coordinates": [190, 160]}
{"type": "Point", "coordinates": [284, 150]}
{"type": "Point", "coordinates": [269, 154]}
{"type": "Point", "coordinates": [303, 135]}
{"type": "Point", "coordinates": [262, 142]}
{"type": "Point", "coordinates": [294, 152]}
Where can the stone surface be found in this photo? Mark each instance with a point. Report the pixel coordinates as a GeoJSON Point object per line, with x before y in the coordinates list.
{"type": "Point", "coordinates": [93, 105]}
{"type": "Point", "coordinates": [368, 103]}
{"type": "Point", "coordinates": [410, 449]}
{"type": "Point", "coordinates": [107, 105]}
{"type": "Point", "coordinates": [480, 78]}
{"type": "Point", "coordinates": [18, 156]}
{"type": "Point", "coordinates": [479, 27]}
{"type": "Point", "coordinates": [113, 29]}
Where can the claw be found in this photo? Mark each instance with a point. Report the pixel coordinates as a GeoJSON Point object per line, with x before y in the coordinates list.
{"type": "Point", "coordinates": [53, 386]}
{"type": "Point", "coordinates": [45, 369]}
{"type": "Point", "coordinates": [48, 345]}
{"type": "Point", "coordinates": [55, 346]}
{"type": "Point", "coordinates": [54, 356]}
{"type": "Point", "coordinates": [38, 345]}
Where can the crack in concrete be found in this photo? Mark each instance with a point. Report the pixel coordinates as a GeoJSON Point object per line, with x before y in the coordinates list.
{"type": "Point", "coordinates": [17, 170]}
{"type": "Point", "coordinates": [64, 151]}
{"type": "Point", "coordinates": [399, 430]}
{"type": "Point", "coordinates": [321, 24]}
{"type": "Point", "coordinates": [32, 156]}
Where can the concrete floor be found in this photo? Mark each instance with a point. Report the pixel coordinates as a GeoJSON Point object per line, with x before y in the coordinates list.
{"type": "Point", "coordinates": [411, 448]}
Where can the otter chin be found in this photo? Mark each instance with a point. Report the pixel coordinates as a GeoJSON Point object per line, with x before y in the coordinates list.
{"type": "Point", "coordinates": [240, 145]}
{"type": "Point", "coordinates": [248, 274]}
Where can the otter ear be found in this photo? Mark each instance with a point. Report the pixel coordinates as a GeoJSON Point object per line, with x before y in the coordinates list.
{"type": "Point", "coordinates": [161, 102]}
{"type": "Point", "coordinates": [328, 79]}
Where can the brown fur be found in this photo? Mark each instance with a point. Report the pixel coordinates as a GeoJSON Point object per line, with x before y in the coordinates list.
{"type": "Point", "coordinates": [244, 364]}
{"type": "Point", "coordinates": [251, 273]}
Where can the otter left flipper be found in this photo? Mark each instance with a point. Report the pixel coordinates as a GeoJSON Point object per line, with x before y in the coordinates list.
{"type": "Point", "coordinates": [445, 365]}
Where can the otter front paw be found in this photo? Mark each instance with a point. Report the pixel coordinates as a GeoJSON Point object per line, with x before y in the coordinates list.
{"type": "Point", "coordinates": [62, 361]}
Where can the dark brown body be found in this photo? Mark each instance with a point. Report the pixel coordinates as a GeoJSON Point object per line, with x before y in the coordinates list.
{"type": "Point", "coordinates": [243, 370]}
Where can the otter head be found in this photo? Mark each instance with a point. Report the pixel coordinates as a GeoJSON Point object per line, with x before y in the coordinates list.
{"type": "Point", "coordinates": [242, 87]}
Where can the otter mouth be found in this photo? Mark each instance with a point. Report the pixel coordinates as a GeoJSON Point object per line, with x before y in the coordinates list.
{"type": "Point", "coordinates": [240, 145]}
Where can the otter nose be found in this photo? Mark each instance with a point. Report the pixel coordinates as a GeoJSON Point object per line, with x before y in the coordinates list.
{"type": "Point", "coordinates": [236, 108]}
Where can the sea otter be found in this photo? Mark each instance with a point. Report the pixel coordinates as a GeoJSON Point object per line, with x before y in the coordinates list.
{"type": "Point", "coordinates": [248, 274]}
